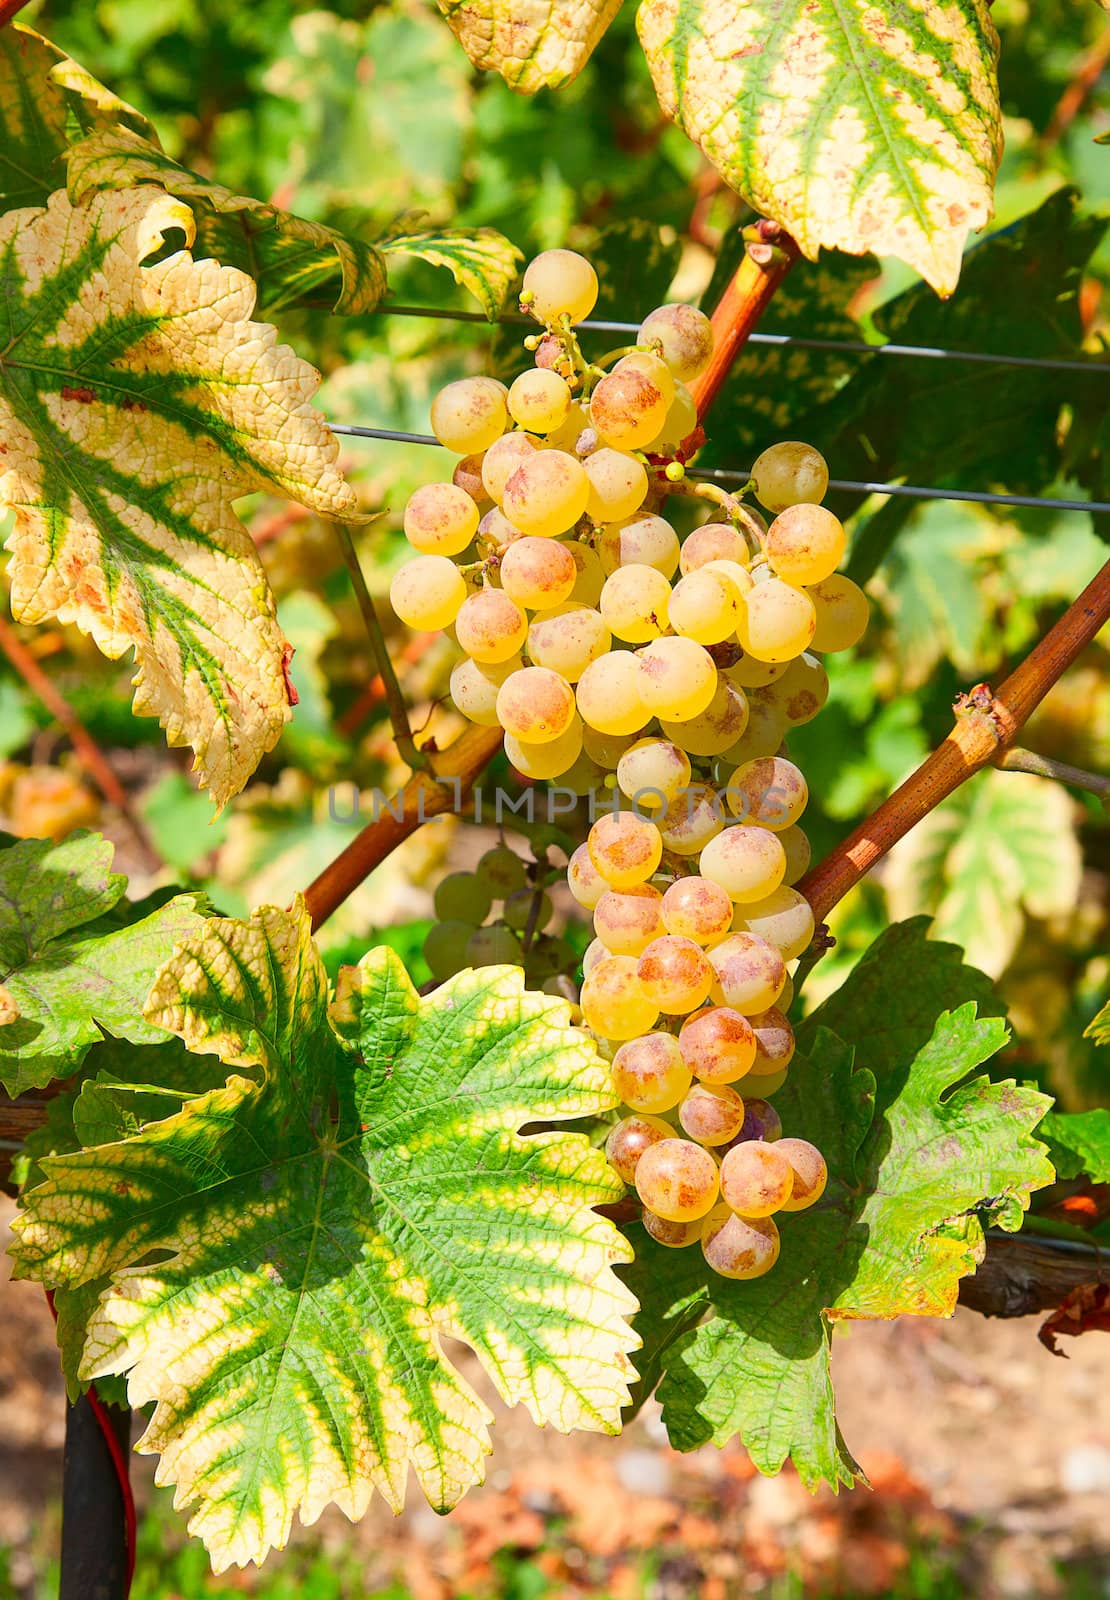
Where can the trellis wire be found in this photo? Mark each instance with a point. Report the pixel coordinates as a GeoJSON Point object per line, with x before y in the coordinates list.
{"type": "Point", "coordinates": [787, 341]}
{"type": "Point", "coordinates": [739, 475]}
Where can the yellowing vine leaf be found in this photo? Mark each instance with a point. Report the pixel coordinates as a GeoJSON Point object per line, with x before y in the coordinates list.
{"type": "Point", "coordinates": [869, 126]}
{"type": "Point", "coordinates": [289, 1252]}
{"type": "Point", "coordinates": [533, 44]}
{"type": "Point", "coordinates": [137, 401]}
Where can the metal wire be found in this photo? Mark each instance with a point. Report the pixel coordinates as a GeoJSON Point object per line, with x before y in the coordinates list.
{"type": "Point", "coordinates": [790, 341]}
{"type": "Point", "coordinates": [911, 491]}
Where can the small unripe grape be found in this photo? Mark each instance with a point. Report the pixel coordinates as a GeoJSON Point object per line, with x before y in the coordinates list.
{"type": "Point", "coordinates": [751, 973]}
{"type": "Point", "coordinates": [474, 688]}
{"type": "Point", "coordinates": [613, 1002]}
{"type": "Point", "coordinates": [770, 1083]}
{"type": "Point", "coordinates": [810, 1172]}
{"type": "Point", "coordinates": [649, 1074]}
{"type": "Point", "coordinates": [585, 777]}
{"type": "Point", "coordinates": [535, 705]}
{"type": "Point", "coordinates": [560, 283]}
{"type": "Point", "coordinates": [704, 608]}
{"type": "Point", "coordinates": [697, 908]}
{"type": "Point", "coordinates": [440, 520]}
{"type": "Point", "coordinates": [777, 621]}
{"type": "Point", "coordinates": [653, 367]}
{"type": "Point", "coordinates": [584, 880]}
{"type": "Point", "coordinates": [503, 870]}
{"type": "Point", "coordinates": [739, 1247]}
{"type": "Point", "coordinates": [445, 948]}
{"type": "Point", "coordinates": [686, 335]}
{"type": "Point", "coordinates": [675, 1235]}
{"type": "Point", "coordinates": [678, 679]}
{"type": "Point", "coordinates": [546, 494]}
{"type": "Point", "coordinates": [634, 603]}
{"type": "Point", "coordinates": [467, 476]}
{"type": "Point", "coordinates": [677, 1180]}
{"type": "Point", "coordinates": [675, 973]}
{"type": "Point", "coordinates": [713, 541]}
{"type": "Point", "coordinates": [717, 728]}
{"type": "Point", "coordinates": [538, 573]}
{"type": "Point", "coordinates": [552, 758]}
{"type": "Point", "coordinates": [790, 474]}
{"type": "Point", "coordinates": [490, 626]}
{"type": "Point", "coordinates": [517, 910]}
{"type": "Point", "coordinates": [539, 400]}
{"type": "Point", "coordinates": [494, 946]}
{"type": "Point", "coordinates": [756, 1179]}
{"type": "Point", "coordinates": [718, 1045]}
{"type": "Point", "coordinates": [618, 484]}
{"type": "Point", "coordinates": [624, 848]}
{"type": "Point", "coordinates": [841, 611]}
{"type": "Point", "coordinates": [568, 638]}
{"type": "Point", "coordinates": [652, 772]}
{"type": "Point", "coordinates": [691, 820]}
{"type": "Point", "coordinates": [805, 544]}
{"type": "Point", "coordinates": [747, 861]}
{"type": "Point", "coordinates": [502, 459]}
{"type": "Point", "coordinates": [591, 576]}
{"type": "Point", "coordinates": [428, 593]}
{"type": "Point", "coordinates": [627, 409]}
{"type": "Point", "coordinates": [462, 897]}
{"type": "Point", "coordinates": [468, 415]}
{"type": "Point", "coordinates": [626, 921]}
{"type": "Point", "coordinates": [630, 1137]}
{"type": "Point", "coordinates": [774, 1042]}
{"type": "Point", "coordinates": [609, 694]}
{"type": "Point", "coordinates": [800, 692]}
{"type": "Point", "coordinates": [771, 791]}
{"type": "Point", "coordinates": [711, 1113]}
{"type": "Point", "coordinates": [784, 918]}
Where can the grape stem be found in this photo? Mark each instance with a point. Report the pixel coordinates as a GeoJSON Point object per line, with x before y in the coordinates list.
{"type": "Point", "coordinates": [394, 699]}
{"type": "Point", "coordinates": [986, 725]}
{"type": "Point", "coordinates": [9, 8]}
{"type": "Point", "coordinates": [743, 303]}
{"type": "Point", "coordinates": [1019, 760]}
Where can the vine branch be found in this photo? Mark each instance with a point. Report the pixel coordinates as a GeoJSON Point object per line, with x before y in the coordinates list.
{"type": "Point", "coordinates": [9, 9]}
{"type": "Point", "coordinates": [986, 726]}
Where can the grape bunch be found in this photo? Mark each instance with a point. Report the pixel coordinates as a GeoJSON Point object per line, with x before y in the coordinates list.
{"type": "Point", "coordinates": [466, 933]}
{"type": "Point", "coordinates": [659, 677]}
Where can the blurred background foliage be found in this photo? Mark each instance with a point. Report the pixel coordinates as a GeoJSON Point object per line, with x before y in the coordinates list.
{"type": "Point", "coordinates": [351, 113]}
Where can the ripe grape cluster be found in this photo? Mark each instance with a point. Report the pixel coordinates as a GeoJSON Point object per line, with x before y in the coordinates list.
{"type": "Point", "coordinates": [663, 676]}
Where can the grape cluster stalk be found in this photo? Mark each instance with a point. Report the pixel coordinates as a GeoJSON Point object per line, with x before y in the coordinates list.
{"type": "Point", "coordinates": [659, 676]}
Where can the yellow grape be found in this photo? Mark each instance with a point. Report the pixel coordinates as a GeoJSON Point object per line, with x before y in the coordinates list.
{"type": "Point", "coordinates": [786, 998]}
{"type": "Point", "coordinates": [770, 1083]}
{"type": "Point", "coordinates": [560, 283]}
{"type": "Point", "coordinates": [841, 611]}
{"type": "Point", "coordinates": [717, 728]}
{"type": "Point", "coordinates": [549, 759]}
{"type": "Point", "coordinates": [751, 973]}
{"type": "Point", "coordinates": [752, 674]}
{"type": "Point", "coordinates": [747, 861]}
{"type": "Point", "coordinates": [810, 1172]}
{"type": "Point", "coordinates": [613, 1003]}
{"type": "Point", "coordinates": [427, 593]}
{"type": "Point", "coordinates": [627, 920]}
{"type": "Point", "coordinates": [618, 484]}
{"type": "Point", "coordinates": [653, 367]}
{"type": "Point", "coordinates": [502, 459]}
{"type": "Point", "coordinates": [490, 626]}
{"type": "Point", "coordinates": [630, 1137]}
{"type": "Point", "coordinates": [762, 736]}
{"type": "Point", "coordinates": [627, 409]}
{"type": "Point", "coordinates": [624, 848]}
{"type": "Point", "coordinates": [691, 820]}
{"type": "Point", "coordinates": [736, 578]}
{"type": "Point", "coordinates": [777, 621]}
{"type": "Point", "coordinates": [713, 541]}
{"type": "Point", "coordinates": [645, 541]}
{"type": "Point", "coordinates": [590, 579]}
{"type": "Point", "coordinates": [756, 1179]}
{"type": "Point", "coordinates": [595, 952]}
{"type": "Point", "coordinates": [718, 1045]}
{"type": "Point", "coordinates": [634, 603]}
{"type": "Point", "coordinates": [468, 415]}
{"type": "Point", "coordinates": [784, 918]}
{"type": "Point", "coordinates": [652, 772]}
{"type": "Point", "coordinates": [790, 474]}
{"type": "Point", "coordinates": [805, 544]}
{"type": "Point", "coordinates": [800, 692]}
{"type": "Point", "coordinates": [546, 494]}
{"type": "Point", "coordinates": [496, 531]}
{"type": "Point", "coordinates": [440, 519]}
{"type": "Point", "coordinates": [685, 335]}
{"type": "Point", "coordinates": [711, 1113]}
{"type": "Point", "coordinates": [771, 791]}
{"type": "Point", "coordinates": [539, 400]}
{"type": "Point", "coordinates": [739, 1247]}
{"type": "Point", "coordinates": [538, 573]}
{"type": "Point", "coordinates": [609, 697]}
{"type": "Point", "coordinates": [474, 688]}
{"type": "Point", "coordinates": [676, 974]}
{"type": "Point", "coordinates": [584, 880]}
{"type": "Point", "coordinates": [696, 908]}
{"type": "Point", "coordinates": [608, 748]}
{"type": "Point", "coordinates": [585, 777]}
{"type": "Point", "coordinates": [678, 424]}
{"type": "Point", "coordinates": [467, 476]}
{"type": "Point", "coordinates": [568, 639]}
{"type": "Point", "coordinates": [675, 1235]}
{"type": "Point", "coordinates": [704, 607]}
{"type": "Point", "coordinates": [774, 1042]}
{"type": "Point", "coordinates": [677, 679]}
{"type": "Point", "coordinates": [649, 1073]}
{"type": "Point", "coordinates": [677, 1180]}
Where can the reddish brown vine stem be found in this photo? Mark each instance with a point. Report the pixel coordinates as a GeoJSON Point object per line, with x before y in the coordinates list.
{"type": "Point", "coordinates": [986, 724]}
{"type": "Point", "coordinates": [9, 8]}
{"type": "Point", "coordinates": [766, 261]}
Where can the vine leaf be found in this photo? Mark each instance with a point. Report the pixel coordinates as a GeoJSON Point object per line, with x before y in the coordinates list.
{"type": "Point", "coordinates": [480, 260]}
{"type": "Point", "coordinates": [1098, 1028]}
{"type": "Point", "coordinates": [920, 1155]}
{"type": "Point", "coordinates": [1079, 1142]}
{"type": "Point", "coordinates": [70, 969]}
{"type": "Point", "coordinates": [323, 1224]}
{"type": "Point", "coordinates": [137, 401]}
{"type": "Point", "coordinates": [1003, 841]}
{"type": "Point", "coordinates": [536, 46]}
{"type": "Point", "coordinates": [875, 128]}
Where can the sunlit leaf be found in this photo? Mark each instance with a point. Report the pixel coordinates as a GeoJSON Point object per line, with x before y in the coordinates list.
{"type": "Point", "coordinates": [480, 260]}
{"type": "Point", "coordinates": [533, 45]}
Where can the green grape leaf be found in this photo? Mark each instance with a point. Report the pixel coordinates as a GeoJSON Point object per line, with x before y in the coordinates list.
{"type": "Point", "coordinates": [541, 46]}
{"type": "Point", "coordinates": [1004, 844]}
{"type": "Point", "coordinates": [861, 130]}
{"type": "Point", "coordinates": [68, 977]}
{"type": "Point", "coordinates": [920, 1157]}
{"type": "Point", "coordinates": [1098, 1028]}
{"type": "Point", "coordinates": [44, 96]}
{"type": "Point", "coordinates": [1078, 1143]}
{"type": "Point", "coordinates": [137, 401]}
{"type": "Point", "coordinates": [480, 260]}
{"type": "Point", "coordinates": [328, 1222]}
